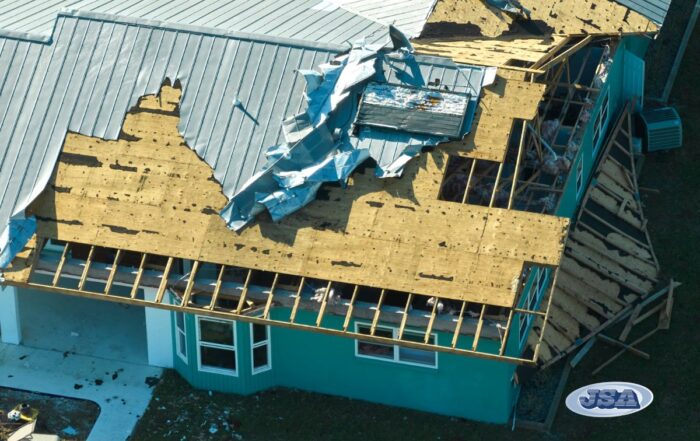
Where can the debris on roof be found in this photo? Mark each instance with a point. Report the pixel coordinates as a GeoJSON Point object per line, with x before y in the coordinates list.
{"type": "Point", "coordinates": [335, 131]}
{"type": "Point", "coordinates": [426, 111]}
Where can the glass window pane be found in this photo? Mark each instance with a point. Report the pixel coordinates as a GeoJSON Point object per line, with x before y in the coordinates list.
{"type": "Point", "coordinates": [218, 358]}
{"type": "Point", "coordinates": [216, 332]}
{"type": "Point", "coordinates": [259, 333]}
{"type": "Point", "coordinates": [378, 332]}
{"type": "Point", "coordinates": [180, 320]}
{"type": "Point", "coordinates": [260, 357]}
{"type": "Point", "coordinates": [182, 344]}
{"type": "Point", "coordinates": [412, 336]}
{"type": "Point", "coordinates": [375, 350]}
{"type": "Point", "coordinates": [418, 356]}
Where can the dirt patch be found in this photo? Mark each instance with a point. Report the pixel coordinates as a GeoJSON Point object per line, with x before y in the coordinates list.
{"type": "Point", "coordinates": [69, 418]}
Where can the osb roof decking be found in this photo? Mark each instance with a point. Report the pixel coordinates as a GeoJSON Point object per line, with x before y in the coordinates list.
{"type": "Point", "coordinates": [509, 98]}
{"type": "Point", "coordinates": [148, 192]}
{"type": "Point", "coordinates": [563, 17]}
{"type": "Point", "coordinates": [498, 52]}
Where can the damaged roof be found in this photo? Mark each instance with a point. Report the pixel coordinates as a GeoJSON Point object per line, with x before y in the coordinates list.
{"type": "Point", "coordinates": [237, 90]}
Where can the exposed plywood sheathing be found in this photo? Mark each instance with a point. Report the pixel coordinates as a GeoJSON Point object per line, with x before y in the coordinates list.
{"type": "Point", "coordinates": [564, 17]}
{"type": "Point", "coordinates": [509, 98]}
{"type": "Point", "coordinates": [147, 192]}
{"type": "Point", "coordinates": [489, 52]}
{"type": "Point", "coordinates": [609, 264]}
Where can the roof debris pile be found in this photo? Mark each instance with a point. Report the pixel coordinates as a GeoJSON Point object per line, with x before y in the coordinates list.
{"type": "Point", "coordinates": [372, 102]}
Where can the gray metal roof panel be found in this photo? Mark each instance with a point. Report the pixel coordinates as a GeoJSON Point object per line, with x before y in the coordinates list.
{"type": "Point", "coordinates": [654, 10]}
{"type": "Point", "coordinates": [315, 20]}
{"type": "Point", "coordinates": [96, 68]}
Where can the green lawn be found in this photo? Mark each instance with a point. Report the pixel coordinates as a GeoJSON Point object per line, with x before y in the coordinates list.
{"type": "Point", "coordinates": [672, 373]}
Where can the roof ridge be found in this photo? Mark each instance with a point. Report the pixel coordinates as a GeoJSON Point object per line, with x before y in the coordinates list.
{"type": "Point", "coordinates": [172, 26]}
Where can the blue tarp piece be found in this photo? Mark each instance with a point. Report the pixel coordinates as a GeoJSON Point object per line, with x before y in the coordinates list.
{"type": "Point", "coordinates": [15, 236]}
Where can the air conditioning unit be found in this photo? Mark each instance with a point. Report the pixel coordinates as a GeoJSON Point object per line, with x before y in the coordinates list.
{"type": "Point", "coordinates": [662, 129]}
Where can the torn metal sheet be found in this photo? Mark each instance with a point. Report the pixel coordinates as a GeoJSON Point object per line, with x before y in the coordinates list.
{"type": "Point", "coordinates": [13, 239]}
{"type": "Point", "coordinates": [237, 91]}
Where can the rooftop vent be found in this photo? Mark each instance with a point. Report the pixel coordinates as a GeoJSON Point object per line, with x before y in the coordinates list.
{"type": "Point", "coordinates": [662, 129]}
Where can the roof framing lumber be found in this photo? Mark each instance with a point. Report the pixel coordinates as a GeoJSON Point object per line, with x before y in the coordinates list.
{"type": "Point", "coordinates": [187, 288]}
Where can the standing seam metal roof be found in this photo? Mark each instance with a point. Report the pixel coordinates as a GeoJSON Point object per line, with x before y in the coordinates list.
{"type": "Point", "coordinates": [313, 20]}
{"type": "Point", "coordinates": [654, 10]}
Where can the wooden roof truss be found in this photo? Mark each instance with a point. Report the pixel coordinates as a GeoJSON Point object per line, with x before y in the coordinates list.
{"type": "Point", "coordinates": [251, 296]}
{"type": "Point", "coordinates": [609, 271]}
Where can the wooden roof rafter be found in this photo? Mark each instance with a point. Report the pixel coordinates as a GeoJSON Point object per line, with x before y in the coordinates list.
{"type": "Point", "coordinates": [253, 303]}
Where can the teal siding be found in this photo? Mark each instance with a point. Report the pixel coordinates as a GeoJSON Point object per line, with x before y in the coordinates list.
{"type": "Point", "coordinates": [461, 386]}
{"type": "Point", "coordinates": [618, 95]}
{"type": "Point", "coordinates": [244, 383]}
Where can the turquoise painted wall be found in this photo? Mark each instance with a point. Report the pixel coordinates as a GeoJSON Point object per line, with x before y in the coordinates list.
{"type": "Point", "coordinates": [461, 386]}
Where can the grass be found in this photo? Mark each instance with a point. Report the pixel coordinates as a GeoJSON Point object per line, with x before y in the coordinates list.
{"type": "Point", "coordinates": [672, 373]}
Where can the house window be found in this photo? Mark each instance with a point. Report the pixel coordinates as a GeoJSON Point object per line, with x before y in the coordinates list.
{"type": "Point", "coordinates": [579, 178]}
{"type": "Point", "coordinates": [216, 346]}
{"type": "Point", "coordinates": [180, 336]}
{"type": "Point", "coordinates": [395, 353]}
{"type": "Point", "coordinates": [534, 294]}
{"type": "Point", "coordinates": [601, 121]}
{"type": "Point", "coordinates": [260, 348]}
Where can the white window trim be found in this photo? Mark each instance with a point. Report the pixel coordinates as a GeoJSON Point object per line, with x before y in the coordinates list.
{"type": "Point", "coordinates": [394, 333]}
{"type": "Point", "coordinates": [267, 342]}
{"type": "Point", "coordinates": [178, 331]}
{"type": "Point", "coordinates": [534, 292]}
{"type": "Point", "coordinates": [579, 173]}
{"type": "Point", "coordinates": [234, 348]}
{"type": "Point", "coordinates": [600, 124]}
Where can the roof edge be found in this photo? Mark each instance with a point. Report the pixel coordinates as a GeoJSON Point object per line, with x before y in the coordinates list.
{"type": "Point", "coordinates": [171, 26]}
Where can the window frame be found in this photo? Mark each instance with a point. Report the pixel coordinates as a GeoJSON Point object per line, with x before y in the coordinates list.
{"type": "Point", "coordinates": [183, 331]}
{"type": "Point", "coordinates": [233, 348]}
{"type": "Point", "coordinates": [535, 292]}
{"type": "Point", "coordinates": [395, 347]}
{"type": "Point", "coordinates": [579, 178]}
{"type": "Point", "coordinates": [600, 122]}
{"type": "Point", "coordinates": [267, 342]}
